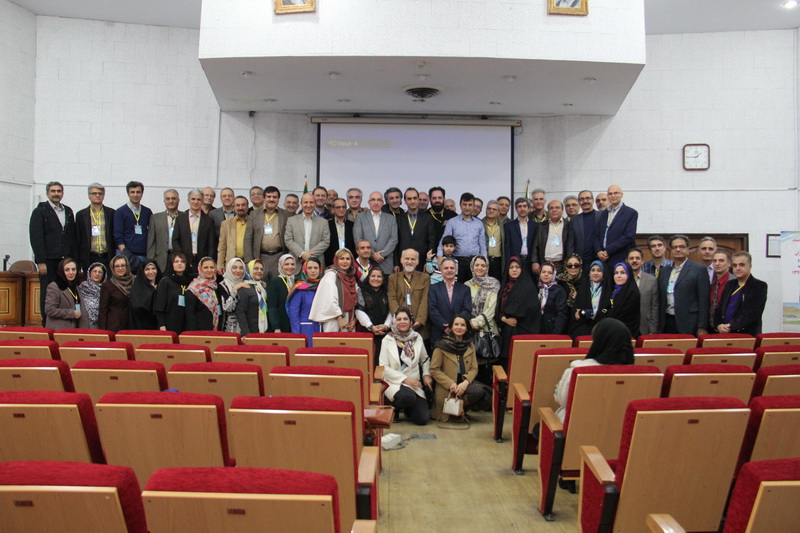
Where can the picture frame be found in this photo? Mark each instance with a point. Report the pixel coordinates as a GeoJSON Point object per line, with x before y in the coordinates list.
{"type": "Point", "coordinates": [283, 7]}
{"type": "Point", "coordinates": [773, 245]}
{"type": "Point", "coordinates": [567, 7]}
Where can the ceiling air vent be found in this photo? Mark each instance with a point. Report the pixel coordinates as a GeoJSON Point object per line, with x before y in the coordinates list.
{"type": "Point", "coordinates": [421, 93]}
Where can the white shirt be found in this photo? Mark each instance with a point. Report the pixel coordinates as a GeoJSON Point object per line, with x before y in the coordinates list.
{"type": "Point", "coordinates": [61, 213]}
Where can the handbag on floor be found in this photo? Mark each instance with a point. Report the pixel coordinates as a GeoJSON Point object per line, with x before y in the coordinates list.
{"type": "Point", "coordinates": [453, 407]}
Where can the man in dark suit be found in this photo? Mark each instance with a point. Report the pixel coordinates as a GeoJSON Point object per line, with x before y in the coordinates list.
{"type": "Point", "coordinates": [52, 235]}
{"type": "Point", "coordinates": [446, 300]}
{"type": "Point", "coordinates": [743, 299]}
{"type": "Point", "coordinates": [683, 291]}
{"type": "Point", "coordinates": [95, 230]}
{"type": "Point", "coordinates": [194, 232]}
{"type": "Point", "coordinates": [519, 235]}
{"type": "Point", "coordinates": [648, 292]}
{"type": "Point", "coordinates": [583, 227]}
{"type": "Point", "coordinates": [554, 240]}
{"type": "Point", "coordinates": [615, 232]}
{"type": "Point", "coordinates": [341, 231]}
{"type": "Point", "coordinates": [414, 230]}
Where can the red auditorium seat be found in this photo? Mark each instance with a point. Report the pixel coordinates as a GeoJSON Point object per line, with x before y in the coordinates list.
{"type": "Point", "coordinates": [35, 374]}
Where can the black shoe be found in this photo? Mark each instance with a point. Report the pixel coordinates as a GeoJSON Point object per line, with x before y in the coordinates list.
{"type": "Point", "coordinates": [568, 485]}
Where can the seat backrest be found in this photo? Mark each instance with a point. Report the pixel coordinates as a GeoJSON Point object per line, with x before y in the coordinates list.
{"type": "Point", "coordinates": [48, 495]}
{"type": "Point", "coordinates": [772, 429]}
{"type": "Point", "coordinates": [152, 430]}
{"type": "Point", "coordinates": [308, 434]}
{"type": "Point", "coordinates": [721, 381]}
{"type": "Point", "coordinates": [29, 349]}
{"type": "Point", "coordinates": [72, 351]}
{"type": "Point", "coordinates": [778, 380]}
{"type": "Point", "coordinates": [97, 378]}
{"type": "Point", "coordinates": [35, 374]}
{"type": "Point", "coordinates": [11, 333]}
{"type": "Point", "coordinates": [603, 393]}
{"type": "Point", "coordinates": [48, 426]}
{"type": "Point", "coordinates": [657, 357]}
{"type": "Point", "coordinates": [23, 266]}
{"type": "Point", "coordinates": [549, 366]}
{"type": "Point", "coordinates": [138, 337]}
{"type": "Point", "coordinates": [242, 500]}
{"type": "Point", "coordinates": [211, 339]}
{"type": "Point", "coordinates": [266, 357]}
{"type": "Point", "coordinates": [721, 355]}
{"type": "Point", "coordinates": [169, 354]}
{"type": "Point", "coordinates": [697, 442]}
{"type": "Point", "coordinates": [776, 339]}
{"type": "Point", "coordinates": [346, 339]}
{"type": "Point", "coordinates": [765, 497]}
{"type": "Point", "coordinates": [522, 356]}
{"type": "Point", "coordinates": [292, 341]}
{"type": "Point", "coordinates": [226, 380]}
{"type": "Point", "coordinates": [667, 340]}
{"type": "Point", "coordinates": [338, 357]}
{"type": "Point", "coordinates": [83, 334]}
{"type": "Point", "coordinates": [583, 341]}
{"type": "Point", "coordinates": [778, 355]}
{"type": "Point", "coordinates": [729, 340]}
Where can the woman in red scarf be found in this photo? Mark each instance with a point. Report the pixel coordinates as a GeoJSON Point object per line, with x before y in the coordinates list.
{"type": "Point", "coordinates": [336, 298]}
{"type": "Point", "coordinates": [203, 310]}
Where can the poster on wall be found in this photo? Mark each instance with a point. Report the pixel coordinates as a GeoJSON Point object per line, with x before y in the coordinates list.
{"type": "Point", "coordinates": [790, 279]}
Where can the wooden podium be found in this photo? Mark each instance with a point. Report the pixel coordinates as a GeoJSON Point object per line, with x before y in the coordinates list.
{"type": "Point", "coordinates": [12, 295]}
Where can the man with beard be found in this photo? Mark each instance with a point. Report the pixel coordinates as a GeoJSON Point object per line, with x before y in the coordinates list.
{"type": "Point", "coordinates": [232, 234]}
{"type": "Point", "coordinates": [409, 288]}
{"type": "Point", "coordinates": [648, 291]}
{"type": "Point", "coordinates": [438, 212]}
{"type": "Point", "coordinates": [265, 236]}
{"type": "Point", "coordinates": [414, 230]}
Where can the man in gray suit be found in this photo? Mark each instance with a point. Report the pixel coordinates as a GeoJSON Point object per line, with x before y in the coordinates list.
{"type": "Point", "coordinates": [265, 235]}
{"type": "Point", "coordinates": [160, 228]}
{"type": "Point", "coordinates": [648, 290]}
{"type": "Point", "coordinates": [226, 212]}
{"type": "Point", "coordinates": [380, 229]}
{"type": "Point", "coordinates": [307, 235]}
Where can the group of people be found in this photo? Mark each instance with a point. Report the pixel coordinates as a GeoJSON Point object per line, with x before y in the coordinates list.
{"type": "Point", "coordinates": [337, 266]}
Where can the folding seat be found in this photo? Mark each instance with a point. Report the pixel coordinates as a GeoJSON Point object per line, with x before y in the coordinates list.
{"type": "Point", "coordinates": [583, 341]}
{"type": "Point", "coordinates": [727, 340]}
{"type": "Point", "coordinates": [346, 339]}
{"type": "Point", "coordinates": [48, 426]}
{"type": "Point", "coordinates": [676, 456]}
{"type": "Point", "coordinates": [12, 333]}
{"type": "Point", "coordinates": [152, 430]}
{"type": "Point", "coordinates": [96, 378]}
{"type": "Point", "coordinates": [293, 341]}
{"type": "Point", "coordinates": [312, 435]}
{"type": "Point", "coordinates": [765, 497]}
{"type": "Point", "coordinates": [35, 374]}
{"type": "Point", "coordinates": [720, 381]}
{"type": "Point", "coordinates": [720, 356]}
{"type": "Point", "coordinates": [83, 334]}
{"type": "Point", "coordinates": [226, 380]}
{"type": "Point", "coordinates": [339, 357]}
{"type": "Point", "coordinates": [73, 351]}
{"type": "Point", "coordinates": [559, 443]}
{"type": "Point", "coordinates": [772, 429]}
{"type": "Point", "coordinates": [548, 368]}
{"type": "Point", "coordinates": [67, 496]}
{"type": "Point", "coordinates": [667, 340]}
{"type": "Point", "coordinates": [138, 337]}
{"type": "Point", "coordinates": [776, 339]}
{"type": "Point", "coordinates": [29, 349]}
{"type": "Point", "coordinates": [244, 500]}
{"type": "Point", "coordinates": [169, 354]}
{"type": "Point", "coordinates": [778, 380]}
{"type": "Point", "coordinates": [777, 355]}
{"type": "Point", "coordinates": [658, 357]}
{"type": "Point", "coordinates": [266, 357]}
{"type": "Point", "coordinates": [212, 339]}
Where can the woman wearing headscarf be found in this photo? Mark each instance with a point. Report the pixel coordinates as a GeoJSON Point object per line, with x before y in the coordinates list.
{"type": "Point", "coordinates": [571, 279]}
{"type": "Point", "coordinates": [203, 311]}
{"type": "Point", "coordinates": [90, 293]}
{"type": "Point", "coordinates": [62, 304]}
{"type": "Point", "coordinates": [228, 293]}
{"type": "Point", "coordinates": [277, 291]}
{"type": "Point", "coordinates": [406, 368]}
{"type": "Point", "coordinates": [170, 304]}
{"type": "Point", "coordinates": [251, 310]}
{"type": "Point", "coordinates": [115, 296]}
{"type": "Point", "coordinates": [623, 300]}
{"type": "Point", "coordinates": [335, 303]}
{"type": "Point", "coordinates": [372, 310]}
{"type": "Point", "coordinates": [518, 307]}
{"type": "Point", "coordinates": [454, 367]}
{"type": "Point", "coordinates": [483, 290]}
{"type": "Point", "coordinates": [587, 302]}
{"type": "Point", "coordinates": [611, 345]}
{"type": "Point", "coordinates": [143, 296]}
{"type": "Point", "coordinates": [553, 300]}
{"type": "Point", "coordinates": [298, 303]}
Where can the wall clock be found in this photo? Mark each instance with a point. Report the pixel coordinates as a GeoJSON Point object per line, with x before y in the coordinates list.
{"type": "Point", "coordinates": [696, 157]}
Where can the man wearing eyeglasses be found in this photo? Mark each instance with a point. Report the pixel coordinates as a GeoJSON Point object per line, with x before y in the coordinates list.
{"type": "Point", "coordinates": [648, 291]}
{"type": "Point", "coordinates": [95, 227]}
{"type": "Point", "coordinates": [615, 232]}
{"type": "Point", "coordinates": [341, 231]}
{"type": "Point", "coordinates": [683, 292]}
{"type": "Point", "coordinates": [583, 226]}
{"type": "Point", "coordinates": [493, 227]}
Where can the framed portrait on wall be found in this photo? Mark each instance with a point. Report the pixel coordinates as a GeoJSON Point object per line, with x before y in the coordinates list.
{"type": "Point", "coordinates": [283, 7]}
{"type": "Point", "coordinates": [567, 7]}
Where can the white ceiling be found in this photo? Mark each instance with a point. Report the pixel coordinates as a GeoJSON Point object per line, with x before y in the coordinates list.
{"type": "Point", "coordinates": [375, 85]}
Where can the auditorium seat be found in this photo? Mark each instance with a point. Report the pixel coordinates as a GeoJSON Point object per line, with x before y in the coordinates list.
{"type": "Point", "coordinates": [226, 380]}
{"type": "Point", "coordinates": [35, 374]}
{"type": "Point", "coordinates": [720, 381]}
{"type": "Point", "coordinates": [73, 351]}
{"type": "Point", "coordinates": [211, 339]}
{"type": "Point", "coordinates": [658, 357]}
{"type": "Point", "coordinates": [48, 426]}
{"type": "Point", "coordinates": [146, 336]}
{"type": "Point", "coordinates": [720, 356]}
{"type": "Point", "coordinates": [169, 354]}
{"type": "Point", "coordinates": [667, 340]}
{"type": "Point", "coordinates": [266, 357]}
{"type": "Point", "coordinates": [780, 354]}
{"type": "Point", "coordinates": [346, 339]}
{"type": "Point", "coordinates": [29, 349]}
{"type": "Point", "coordinates": [11, 333]}
{"type": "Point", "coordinates": [292, 341]}
{"type": "Point", "coordinates": [776, 339]}
{"type": "Point", "coordinates": [342, 357]}
{"type": "Point", "coordinates": [765, 497]}
{"type": "Point", "coordinates": [729, 340]}
{"type": "Point", "coordinates": [583, 341]}
{"type": "Point", "coordinates": [680, 462]}
{"type": "Point", "coordinates": [778, 380]}
{"type": "Point", "coordinates": [83, 334]}
{"type": "Point", "coordinates": [772, 429]}
{"type": "Point", "coordinates": [97, 378]}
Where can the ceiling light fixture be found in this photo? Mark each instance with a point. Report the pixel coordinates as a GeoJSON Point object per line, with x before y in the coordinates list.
{"type": "Point", "coordinates": [423, 76]}
{"type": "Point", "coordinates": [789, 4]}
{"type": "Point", "coordinates": [333, 75]}
{"type": "Point", "coordinates": [509, 78]}
{"type": "Point", "coordinates": [247, 73]}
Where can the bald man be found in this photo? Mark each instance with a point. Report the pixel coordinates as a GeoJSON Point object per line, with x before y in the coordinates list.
{"type": "Point", "coordinates": [615, 232]}
{"type": "Point", "coordinates": [307, 235]}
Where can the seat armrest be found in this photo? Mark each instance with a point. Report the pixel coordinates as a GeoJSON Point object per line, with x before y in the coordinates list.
{"type": "Point", "coordinates": [376, 393]}
{"type": "Point", "coordinates": [550, 419]}
{"type": "Point", "coordinates": [368, 466]}
{"type": "Point", "coordinates": [499, 374]}
{"type": "Point", "coordinates": [663, 523]}
{"type": "Point", "coordinates": [521, 392]}
{"type": "Point", "coordinates": [598, 465]}
{"type": "Point", "coordinates": [365, 526]}
{"type": "Point", "coordinates": [377, 375]}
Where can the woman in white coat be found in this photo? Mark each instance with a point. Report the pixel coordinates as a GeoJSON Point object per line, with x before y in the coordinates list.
{"type": "Point", "coordinates": [334, 304]}
{"type": "Point", "coordinates": [406, 369]}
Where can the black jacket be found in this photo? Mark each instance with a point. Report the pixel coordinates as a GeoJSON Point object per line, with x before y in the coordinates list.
{"type": "Point", "coordinates": [182, 239]}
{"type": "Point", "coordinates": [83, 224]}
{"type": "Point", "coordinates": [49, 239]}
{"type": "Point", "coordinates": [333, 247]}
{"type": "Point", "coordinates": [540, 241]}
{"type": "Point", "coordinates": [747, 316]}
{"type": "Point", "coordinates": [423, 239]}
{"type": "Point", "coordinates": [555, 312]}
